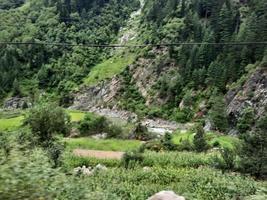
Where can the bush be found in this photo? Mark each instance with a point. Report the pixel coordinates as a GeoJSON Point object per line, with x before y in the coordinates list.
{"type": "Point", "coordinates": [246, 121]}
{"type": "Point", "coordinates": [254, 150]}
{"type": "Point", "coordinates": [226, 161]}
{"type": "Point", "coordinates": [46, 121]}
{"type": "Point", "coordinates": [185, 145]}
{"type": "Point", "coordinates": [216, 144]}
{"type": "Point", "coordinates": [154, 145]}
{"type": "Point", "coordinates": [200, 143]}
{"type": "Point", "coordinates": [5, 146]}
{"type": "Point", "coordinates": [167, 142]}
{"type": "Point", "coordinates": [114, 131]}
{"type": "Point", "coordinates": [132, 159]}
{"type": "Point", "coordinates": [140, 132]}
{"type": "Point", "coordinates": [91, 125]}
{"type": "Point", "coordinates": [218, 114]}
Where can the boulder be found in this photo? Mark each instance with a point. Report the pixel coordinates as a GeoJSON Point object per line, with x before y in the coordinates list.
{"type": "Point", "coordinates": [166, 195]}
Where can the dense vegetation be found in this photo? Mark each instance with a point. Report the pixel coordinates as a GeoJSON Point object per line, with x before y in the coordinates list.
{"type": "Point", "coordinates": [51, 67]}
{"type": "Point", "coordinates": [37, 144]}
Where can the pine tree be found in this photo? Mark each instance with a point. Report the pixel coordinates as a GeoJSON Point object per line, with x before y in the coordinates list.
{"type": "Point", "coordinates": [254, 150]}
{"type": "Point", "coordinates": [218, 114]}
{"type": "Point", "coordinates": [16, 89]}
{"type": "Point", "coordinates": [199, 141]}
{"type": "Point", "coordinates": [226, 23]}
{"type": "Point", "coordinates": [216, 75]}
{"type": "Point", "coordinates": [246, 121]}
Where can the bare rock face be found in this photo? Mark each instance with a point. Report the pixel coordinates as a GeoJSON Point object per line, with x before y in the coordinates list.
{"type": "Point", "coordinates": [17, 103]}
{"type": "Point", "coordinates": [166, 195]}
{"type": "Point", "coordinates": [252, 94]}
{"type": "Point", "coordinates": [102, 93]}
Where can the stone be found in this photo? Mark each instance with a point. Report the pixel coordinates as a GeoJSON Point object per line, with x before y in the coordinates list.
{"type": "Point", "coordinates": [208, 125]}
{"type": "Point", "coordinates": [100, 167]}
{"type": "Point", "coordinates": [166, 195]}
{"type": "Point", "coordinates": [147, 169]}
{"type": "Point", "coordinates": [253, 93]}
{"type": "Point", "coordinates": [17, 103]}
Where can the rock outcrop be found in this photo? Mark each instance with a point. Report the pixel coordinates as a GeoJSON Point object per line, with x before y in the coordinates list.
{"type": "Point", "coordinates": [17, 103]}
{"type": "Point", "coordinates": [92, 96]}
{"type": "Point", "coordinates": [253, 93]}
{"type": "Point", "coordinates": [166, 195]}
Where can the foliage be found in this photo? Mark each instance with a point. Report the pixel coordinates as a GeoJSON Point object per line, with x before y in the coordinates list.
{"type": "Point", "coordinates": [200, 143]}
{"type": "Point", "coordinates": [91, 125]}
{"type": "Point", "coordinates": [226, 160]}
{"type": "Point", "coordinates": [218, 114]}
{"type": "Point", "coordinates": [254, 150]}
{"type": "Point", "coordinates": [74, 22]}
{"type": "Point", "coordinates": [167, 142]}
{"type": "Point", "coordinates": [5, 146]}
{"type": "Point", "coordinates": [25, 176]}
{"type": "Point", "coordinates": [225, 141]}
{"type": "Point", "coordinates": [105, 145]}
{"type": "Point", "coordinates": [46, 121]}
{"type": "Point", "coordinates": [246, 121]}
{"type": "Point", "coordinates": [132, 159]}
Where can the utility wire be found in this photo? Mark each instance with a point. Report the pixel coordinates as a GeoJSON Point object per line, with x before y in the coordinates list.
{"type": "Point", "coordinates": [263, 43]}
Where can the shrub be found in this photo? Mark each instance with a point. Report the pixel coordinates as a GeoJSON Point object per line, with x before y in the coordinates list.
{"type": "Point", "coordinates": [45, 121]}
{"type": "Point", "coordinates": [254, 150]}
{"type": "Point", "coordinates": [140, 132]}
{"type": "Point", "coordinates": [154, 145]}
{"type": "Point", "coordinates": [226, 161]}
{"type": "Point", "coordinates": [5, 146]}
{"type": "Point", "coordinates": [29, 175]}
{"type": "Point", "coordinates": [246, 120]}
{"type": "Point", "coordinates": [218, 114]}
{"type": "Point", "coordinates": [91, 125]}
{"type": "Point", "coordinates": [200, 143]}
{"type": "Point", "coordinates": [132, 159]}
{"type": "Point", "coordinates": [185, 145]}
{"type": "Point", "coordinates": [216, 144]}
{"type": "Point", "coordinates": [114, 131]}
{"type": "Point", "coordinates": [167, 142]}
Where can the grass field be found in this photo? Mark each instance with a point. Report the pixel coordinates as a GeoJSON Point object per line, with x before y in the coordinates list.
{"type": "Point", "coordinates": [76, 116]}
{"type": "Point", "coordinates": [11, 124]}
{"type": "Point", "coordinates": [224, 140]}
{"type": "Point", "coordinates": [105, 145]}
{"type": "Point", "coordinates": [12, 121]}
{"type": "Point", "coordinates": [108, 69]}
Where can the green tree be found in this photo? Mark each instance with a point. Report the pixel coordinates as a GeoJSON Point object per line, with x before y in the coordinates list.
{"type": "Point", "coordinates": [226, 23]}
{"type": "Point", "coordinates": [254, 150]}
{"type": "Point", "coordinates": [16, 89]}
{"type": "Point", "coordinates": [199, 141]}
{"type": "Point", "coordinates": [46, 121]}
{"type": "Point", "coordinates": [246, 121]}
{"type": "Point", "coordinates": [218, 114]}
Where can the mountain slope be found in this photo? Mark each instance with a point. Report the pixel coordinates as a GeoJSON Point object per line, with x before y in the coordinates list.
{"type": "Point", "coordinates": [178, 82]}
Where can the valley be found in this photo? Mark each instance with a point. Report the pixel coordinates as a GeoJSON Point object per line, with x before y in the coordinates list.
{"type": "Point", "coordinates": [133, 99]}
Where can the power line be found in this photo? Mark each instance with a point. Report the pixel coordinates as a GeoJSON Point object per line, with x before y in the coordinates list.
{"type": "Point", "coordinates": [263, 43]}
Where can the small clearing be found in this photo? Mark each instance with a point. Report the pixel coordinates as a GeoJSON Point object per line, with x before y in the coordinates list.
{"type": "Point", "coordinates": [98, 154]}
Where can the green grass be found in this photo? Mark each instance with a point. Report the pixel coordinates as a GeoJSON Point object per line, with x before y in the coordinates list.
{"type": "Point", "coordinates": [108, 69]}
{"type": "Point", "coordinates": [12, 121]}
{"type": "Point", "coordinates": [10, 124]}
{"type": "Point", "coordinates": [76, 116]}
{"type": "Point", "coordinates": [105, 145]}
{"type": "Point", "coordinates": [225, 141]}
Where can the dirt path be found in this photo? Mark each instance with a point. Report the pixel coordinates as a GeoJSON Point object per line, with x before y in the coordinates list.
{"type": "Point", "coordinates": [98, 154]}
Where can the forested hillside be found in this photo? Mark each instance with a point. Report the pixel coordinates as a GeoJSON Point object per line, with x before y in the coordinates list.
{"type": "Point", "coordinates": [46, 66]}
{"type": "Point", "coordinates": [165, 81]}
{"type": "Point", "coordinates": [124, 99]}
